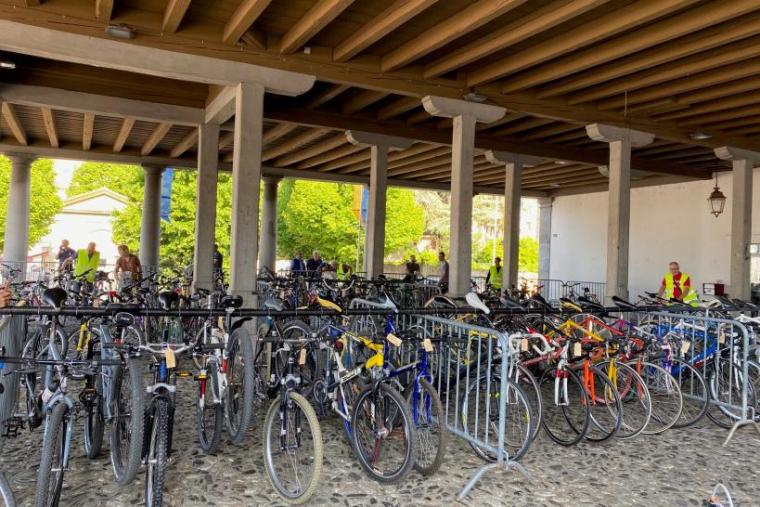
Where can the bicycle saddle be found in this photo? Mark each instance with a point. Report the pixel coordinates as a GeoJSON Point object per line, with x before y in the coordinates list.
{"type": "Point", "coordinates": [475, 301]}
{"type": "Point", "coordinates": [511, 303]}
{"type": "Point", "coordinates": [167, 299]}
{"type": "Point", "coordinates": [587, 304]}
{"type": "Point", "coordinates": [622, 303]}
{"type": "Point", "coordinates": [274, 304]}
{"type": "Point", "coordinates": [54, 297]}
{"type": "Point", "coordinates": [232, 301]}
{"type": "Point", "coordinates": [383, 303]}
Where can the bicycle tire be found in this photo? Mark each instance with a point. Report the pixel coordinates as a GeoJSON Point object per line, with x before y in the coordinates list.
{"type": "Point", "coordinates": [272, 430]}
{"type": "Point", "coordinates": [633, 393]}
{"type": "Point", "coordinates": [94, 422]}
{"type": "Point", "coordinates": [49, 484]}
{"type": "Point", "coordinates": [6, 493]}
{"type": "Point", "coordinates": [573, 433]}
{"type": "Point", "coordinates": [606, 411]}
{"type": "Point", "coordinates": [210, 432]}
{"type": "Point", "coordinates": [527, 381]}
{"type": "Point", "coordinates": [128, 422]}
{"type": "Point", "coordinates": [664, 392]}
{"type": "Point", "coordinates": [424, 418]}
{"type": "Point", "coordinates": [359, 422]}
{"type": "Point", "coordinates": [696, 396]}
{"type": "Point", "coordinates": [719, 414]}
{"type": "Point", "coordinates": [239, 399]}
{"type": "Point", "coordinates": [158, 454]}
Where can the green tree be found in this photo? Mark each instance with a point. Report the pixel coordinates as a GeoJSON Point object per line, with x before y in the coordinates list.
{"type": "Point", "coordinates": [404, 220]}
{"type": "Point", "coordinates": [120, 178]}
{"type": "Point", "coordinates": [44, 203]}
{"type": "Point", "coordinates": [528, 254]}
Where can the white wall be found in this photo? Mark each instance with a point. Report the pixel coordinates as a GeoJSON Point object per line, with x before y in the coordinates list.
{"type": "Point", "coordinates": [670, 222]}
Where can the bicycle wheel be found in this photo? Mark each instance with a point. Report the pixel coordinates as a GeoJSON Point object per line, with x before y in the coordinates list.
{"type": "Point", "coordinates": [94, 420]}
{"type": "Point", "coordinates": [158, 453]}
{"type": "Point", "coordinates": [606, 410]}
{"type": "Point", "coordinates": [694, 391]}
{"type": "Point", "coordinates": [667, 401]}
{"type": "Point", "coordinates": [430, 427]}
{"type": "Point", "coordinates": [634, 395]}
{"type": "Point", "coordinates": [240, 385]}
{"type": "Point", "coordinates": [383, 434]}
{"type": "Point", "coordinates": [293, 448]}
{"type": "Point", "coordinates": [210, 412]}
{"type": "Point", "coordinates": [128, 420]}
{"type": "Point", "coordinates": [480, 417]}
{"type": "Point", "coordinates": [50, 472]}
{"type": "Point", "coordinates": [6, 494]}
{"type": "Point", "coordinates": [725, 383]}
{"type": "Point", "coordinates": [566, 413]}
{"type": "Point", "coordinates": [525, 379]}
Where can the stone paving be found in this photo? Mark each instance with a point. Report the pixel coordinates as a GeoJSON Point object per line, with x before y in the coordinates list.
{"type": "Point", "coordinates": [678, 468]}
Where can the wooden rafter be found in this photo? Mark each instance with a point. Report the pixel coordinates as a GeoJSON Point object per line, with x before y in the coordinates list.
{"type": "Point", "coordinates": [357, 158]}
{"type": "Point", "coordinates": [278, 131]}
{"type": "Point", "coordinates": [9, 114]}
{"type": "Point", "coordinates": [329, 156]}
{"type": "Point", "coordinates": [361, 100]}
{"type": "Point", "coordinates": [397, 107]}
{"type": "Point", "coordinates": [472, 17]}
{"type": "Point", "coordinates": [739, 100]}
{"type": "Point", "coordinates": [173, 13]}
{"type": "Point", "coordinates": [391, 18]}
{"type": "Point", "coordinates": [615, 22]}
{"type": "Point", "coordinates": [313, 150]}
{"type": "Point", "coordinates": [49, 121]}
{"type": "Point", "coordinates": [123, 135]}
{"type": "Point", "coordinates": [185, 144]}
{"type": "Point", "coordinates": [326, 95]}
{"type": "Point", "coordinates": [242, 19]}
{"type": "Point", "coordinates": [88, 127]}
{"type": "Point", "coordinates": [104, 10]}
{"type": "Point", "coordinates": [226, 139]}
{"type": "Point", "coordinates": [158, 134]}
{"type": "Point", "coordinates": [293, 143]}
{"type": "Point", "coordinates": [311, 23]}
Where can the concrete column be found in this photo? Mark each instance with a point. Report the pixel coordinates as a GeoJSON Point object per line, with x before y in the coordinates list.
{"type": "Point", "coordinates": [544, 237]}
{"type": "Point", "coordinates": [150, 229]}
{"type": "Point", "coordinates": [620, 142]}
{"type": "Point", "coordinates": [268, 253]}
{"type": "Point", "coordinates": [205, 206]}
{"type": "Point", "coordinates": [17, 216]}
{"type": "Point", "coordinates": [465, 115]}
{"type": "Point", "coordinates": [512, 202]}
{"type": "Point", "coordinates": [246, 177]}
{"type": "Point", "coordinates": [741, 217]}
{"type": "Point", "coordinates": [374, 242]}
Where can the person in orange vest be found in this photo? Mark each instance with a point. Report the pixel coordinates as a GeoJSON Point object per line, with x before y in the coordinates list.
{"type": "Point", "coordinates": [677, 285]}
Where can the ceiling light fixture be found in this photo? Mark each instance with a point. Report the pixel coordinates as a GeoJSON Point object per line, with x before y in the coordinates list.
{"type": "Point", "coordinates": [699, 136]}
{"type": "Point", "coordinates": [717, 200]}
{"type": "Point", "coordinates": [475, 97]}
{"type": "Point", "coordinates": [120, 31]}
{"type": "Point", "coordinates": [4, 64]}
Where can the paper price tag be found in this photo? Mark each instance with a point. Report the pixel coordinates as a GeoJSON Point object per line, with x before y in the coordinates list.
{"type": "Point", "coordinates": [394, 340]}
{"type": "Point", "coordinates": [722, 338]}
{"type": "Point", "coordinates": [524, 345]}
{"type": "Point", "coordinates": [171, 359]}
{"type": "Point", "coordinates": [685, 346]}
{"type": "Point", "coordinates": [427, 345]}
{"type": "Point", "coordinates": [302, 357]}
{"type": "Point", "coordinates": [577, 349]}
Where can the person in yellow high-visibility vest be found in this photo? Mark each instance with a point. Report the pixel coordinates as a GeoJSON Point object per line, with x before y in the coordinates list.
{"type": "Point", "coordinates": [677, 285]}
{"type": "Point", "coordinates": [494, 277]}
{"type": "Point", "coordinates": [88, 260]}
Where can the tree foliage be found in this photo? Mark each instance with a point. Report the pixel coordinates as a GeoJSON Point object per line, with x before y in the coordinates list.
{"type": "Point", "coordinates": [120, 178]}
{"type": "Point", "coordinates": [528, 254]}
{"type": "Point", "coordinates": [44, 201]}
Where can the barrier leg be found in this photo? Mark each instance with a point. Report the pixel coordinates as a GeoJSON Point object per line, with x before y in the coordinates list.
{"type": "Point", "coordinates": [739, 424]}
{"type": "Point", "coordinates": [506, 466]}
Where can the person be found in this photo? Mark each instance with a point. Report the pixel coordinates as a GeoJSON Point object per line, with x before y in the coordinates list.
{"type": "Point", "coordinates": [5, 295]}
{"type": "Point", "coordinates": [128, 264]}
{"type": "Point", "coordinates": [412, 269]}
{"type": "Point", "coordinates": [677, 285]}
{"type": "Point", "coordinates": [342, 270]}
{"type": "Point", "coordinates": [443, 272]}
{"type": "Point", "coordinates": [218, 259]}
{"type": "Point", "coordinates": [66, 256]}
{"type": "Point", "coordinates": [494, 277]}
{"type": "Point", "coordinates": [88, 260]}
{"type": "Point", "coordinates": [330, 270]}
{"type": "Point", "coordinates": [315, 264]}
{"type": "Point", "coordinates": [297, 265]}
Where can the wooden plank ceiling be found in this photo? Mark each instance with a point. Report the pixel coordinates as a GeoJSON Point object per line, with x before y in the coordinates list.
{"type": "Point", "coordinates": [685, 70]}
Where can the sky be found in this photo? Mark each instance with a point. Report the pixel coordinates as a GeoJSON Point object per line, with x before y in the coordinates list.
{"type": "Point", "coordinates": [64, 170]}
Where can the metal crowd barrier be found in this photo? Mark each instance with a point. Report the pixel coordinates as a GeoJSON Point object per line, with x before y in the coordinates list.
{"type": "Point", "coordinates": [12, 336]}
{"type": "Point", "coordinates": [720, 350]}
{"type": "Point", "coordinates": [596, 288]}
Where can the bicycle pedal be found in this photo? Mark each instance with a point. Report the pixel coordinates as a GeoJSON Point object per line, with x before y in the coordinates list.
{"type": "Point", "coordinates": [13, 425]}
{"type": "Point", "coordinates": [88, 397]}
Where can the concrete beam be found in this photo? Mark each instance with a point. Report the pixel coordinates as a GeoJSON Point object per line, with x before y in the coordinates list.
{"type": "Point", "coordinates": [505, 157]}
{"type": "Point", "coordinates": [393, 143]}
{"type": "Point", "coordinates": [65, 100]}
{"type": "Point", "coordinates": [608, 134]}
{"type": "Point", "coordinates": [450, 108]}
{"type": "Point", "coordinates": [731, 153]}
{"type": "Point", "coordinates": [222, 107]}
{"type": "Point", "coordinates": [111, 54]}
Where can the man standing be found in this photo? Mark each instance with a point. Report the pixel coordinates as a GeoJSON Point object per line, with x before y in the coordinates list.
{"type": "Point", "coordinates": [128, 264]}
{"type": "Point", "coordinates": [342, 271]}
{"type": "Point", "coordinates": [66, 256]}
{"type": "Point", "coordinates": [314, 265]}
{"type": "Point", "coordinates": [412, 269]}
{"type": "Point", "coordinates": [677, 285]}
{"type": "Point", "coordinates": [443, 272]}
{"type": "Point", "coordinates": [297, 265]}
{"type": "Point", "coordinates": [494, 276]}
{"type": "Point", "coordinates": [88, 261]}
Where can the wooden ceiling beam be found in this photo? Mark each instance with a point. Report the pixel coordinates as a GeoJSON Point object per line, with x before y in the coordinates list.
{"type": "Point", "coordinates": [742, 99]}
{"type": "Point", "coordinates": [328, 144]}
{"type": "Point", "coordinates": [325, 96]}
{"type": "Point", "coordinates": [528, 124]}
{"type": "Point", "coordinates": [358, 158]}
{"type": "Point", "coordinates": [550, 131]}
{"type": "Point", "coordinates": [330, 156]}
{"type": "Point", "coordinates": [384, 23]}
{"type": "Point", "coordinates": [684, 47]}
{"type": "Point", "coordinates": [228, 138]}
{"type": "Point", "coordinates": [523, 28]}
{"type": "Point", "coordinates": [9, 114]}
{"type": "Point", "coordinates": [123, 135]}
{"type": "Point", "coordinates": [104, 10]}
{"type": "Point", "coordinates": [88, 127]}
{"type": "Point", "coordinates": [441, 170]}
{"type": "Point", "coordinates": [293, 143]}
{"type": "Point", "coordinates": [436, 152]}
{"type": "Point", "coordinates": [173, 13]}
{"type": "Point", "coordinates": [427, 164]}
{"type": "Point", "coordinates": [398, 107]}
{"type": "Point", "coordinates": [278, 131]}
{"type": "Point", "coordinates": [461, 23]}
{"type": "Point", "coordinates": [668, 29]}
{"type": "Point", "coordinates": [49, 121]}
{"type": "Point", "coordinates": [606, 26]}
{"type": "Point", "coordinates": [158, 134]}
{"type": "Point", "coordinates": [735, 123]}
{"type": "Point", "coordinates": [185, 144]}
{"type": "Point", "coordinates": [242, 19]}
{"type": "Point", "coordinates": [311, 23]}
{"type": "Point", "coordinates": [361, 100]}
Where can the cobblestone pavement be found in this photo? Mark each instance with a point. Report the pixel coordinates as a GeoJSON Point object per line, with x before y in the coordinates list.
{"type": "Point", "coordinates": [678, 468]}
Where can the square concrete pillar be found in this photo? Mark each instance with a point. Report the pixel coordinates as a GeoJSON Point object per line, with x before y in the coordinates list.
{"type": "Point", "coordinates": [205, 206]}
{"type": "Point", "coordinates": [16, 238]}
{"type": "Point", "coordinates": [150, 228]}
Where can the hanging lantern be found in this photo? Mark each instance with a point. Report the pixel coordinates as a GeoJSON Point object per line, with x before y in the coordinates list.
{"type": "Point", "coordinates": [717, 200]}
